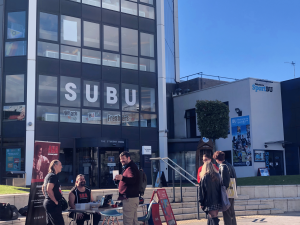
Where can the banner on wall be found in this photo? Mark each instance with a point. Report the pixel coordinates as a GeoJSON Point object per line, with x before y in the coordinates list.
{"type": "Point", "coordinates": [44, 153]}
{"type": "Point", "coordinates": [241, 141]}
{"type": "Point", "coordinates": [13, 159]}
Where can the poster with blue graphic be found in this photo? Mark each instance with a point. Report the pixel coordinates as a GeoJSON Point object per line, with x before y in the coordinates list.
{"type": "Point", "coordinates": [241, 141]}
{"type": "Point", "coordinates": [13, 159]}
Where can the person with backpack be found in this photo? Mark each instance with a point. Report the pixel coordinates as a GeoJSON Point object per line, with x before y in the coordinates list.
{"type": "Point", "coordinates": [226, 171]}
{"type": "Point", "coordinates": [142, 185]}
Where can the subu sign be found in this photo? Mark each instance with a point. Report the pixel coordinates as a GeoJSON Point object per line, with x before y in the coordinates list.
{"type": "Point", "coordinates": [146, 150]}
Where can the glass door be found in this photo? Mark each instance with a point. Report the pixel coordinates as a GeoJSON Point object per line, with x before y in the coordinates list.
{"type": "Point", "coordinates": [109, 161]}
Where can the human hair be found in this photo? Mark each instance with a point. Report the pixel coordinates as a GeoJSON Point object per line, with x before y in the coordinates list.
{"type": "Point", "coordinates": [208, 168]}
{"type": "Point", "coordinates": [218, 155]}
{"type": "Point", "coordinates": [207, 155]}
{"type": "Point", "coordinates": [126, 154]}
{"type": "Point", "coordinates": [51, 166]}
{"type": "Point", "coordinates": [77, 177]}
{"type": "Point", "coordinates": [37, 149]}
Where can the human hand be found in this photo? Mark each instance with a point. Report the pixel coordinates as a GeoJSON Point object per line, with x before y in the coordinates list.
{"type": "Point", "coordinates": [56, 202]}
{"type": "Point", "coordinates": [118, 177]}
{"type": "Point", "coordinates": [79, 216]}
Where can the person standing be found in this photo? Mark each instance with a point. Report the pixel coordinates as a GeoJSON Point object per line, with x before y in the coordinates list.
{"type": "Point", "coordinates": [52, 191]}
{"type": "Point", "coordinates": [226, 171]}
{"type": "Point", "coordinates": [206, 158]}
{"type": "Point", "coordinates": [129, 189]}
{"type": "Point", "coordinates": [210, 193]}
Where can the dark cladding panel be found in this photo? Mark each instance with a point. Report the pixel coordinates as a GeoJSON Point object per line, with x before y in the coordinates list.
{"type": "Point", "coordinates": [292, 162]}
{"type": "Point", "coordinates": [111, 74]}
{"type": "Point", "coordinates": [129, 21]}
{"type": "Point", "coordinates": [45, 138]}
{"type": "Point", "coordinates": [47, 66]}
{"type": "Point", "coordinates": [49, 6]}
{"type": "Point", "coordinates": [91, 71]}
{"type": "Point", "coordinates": [147, 25]}
{"type": "Point", "coordinates": [131, 133]}
{"type": "Point", "coordinates": [113, 132]}
{"type": "Point", "coordinates": [68, 130]}
{"type": "Point", "coordinates": [16, 5]}
{"type": "Point", "coordinates": [15, 64]}
{"type": "Point", "coordinates": [69, 68]}
{"type": "Point", "coordinates": [14, 129]}
{"type": "Point", "coordinates": [131, 144]}
{"type": "Point", "coordinates": [290, 134]}
{"type": "Point", "coordinates": [90, 130]}
{"type": "Point", "coordinates": [130, 76]}
{"type": "Point", "coordinates": [69, 8]}
{"type": "Point", "coordinates": [149, 134]}
{"type": "Point", "coordinates": [91, 13]}
{"type": "Point", "coordinates": [110, 17]}
{"type": "Point", "coordinates": [148, 79]}
{"type": "Point", "coordinates": [46, 128]}
{"type": "Point", "coordinates": [66, 142]}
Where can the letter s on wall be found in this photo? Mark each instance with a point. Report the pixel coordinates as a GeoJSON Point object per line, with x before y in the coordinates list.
{"type": "Point", "coordinates": [72, 94]}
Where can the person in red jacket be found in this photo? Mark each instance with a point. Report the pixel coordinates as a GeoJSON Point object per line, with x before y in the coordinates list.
{"type": "Point", "coordinates": [206, 158]}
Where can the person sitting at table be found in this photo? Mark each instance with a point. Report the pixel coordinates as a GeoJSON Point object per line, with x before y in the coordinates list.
{"type": "Point", "coordinates": [81, 194]}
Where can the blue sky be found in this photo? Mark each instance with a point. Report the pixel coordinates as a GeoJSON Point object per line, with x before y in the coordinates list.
{"type": "Point", "coordinates": [240, 38]}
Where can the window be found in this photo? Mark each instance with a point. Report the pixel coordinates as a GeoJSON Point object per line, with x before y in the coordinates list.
{"type": "Point", "coordinates": [191, 125]}
{"type": "Point", "coordinates": [111, 96]}
{"type": "Point", "coordinates": [147, 45]}
{"type": "Point", "coordinates": [47, 113]}
{"type": "Point", "coordinates": [91, 37]}
{"type": "Point", "coordinates": [70, 53]}
{"type": "Point", "coordinates": [16, 25]}
{"type": "Point", "coordinates": [69, 115]}
{"type": "Point", "coordinates": [75, 0]}
{"type": "Point", "coordinates": [111, 118]}
{"type": "Point", "coordinates": [48, 50]}
{"type": "Point", "coordinates": [96, 3]}
{"type": "Point", "coordinates": [129, 7]}
{"type": "Point", "coordinates": [91, 56]}
{"type": "Point", "coordinates": [130, 97]}
{"type": "Point", "coordinates": [148, 120]}
{"type": "Point", "coordinates": [14, 88]}
{"type": "Point", "coordinates": [146, 11]}
{"type": "Point", "coordinates": [111, 38]}
{"type": "Point", "coordinates": [111, 4]}
{"type": "Point", "coordinates": [47, 89]}
{"type": "Point", "coordinates": [148, 99]}
{"type": "Point", "coordinates": [91, 116]}
{"type": "Point", "coordinates": [48, 26]}
{"type": "Point", "coordinates": [16, 48]}
{"type": "Point", "coordinates": [66, 159]}
{"type": "Point", "coordinates": [110, 59]}
{"type": "Point", "coordinates": [91, 94]}
{"type": "Point", "coordinates": [14, 113]}
{"type": "Point", "coordinates": [147, 1]}
{"type": "Point", "coordinates": [70, 30]}
{"type": "Point", "coordinates": [129, 62]}
{"type": "Point", "coordinates": [147, 65]}
{"type": "Point", "coordinates": [70, 91]}
{"type": "Point", "coordinates": [129, 41]}
{"type": "Point", "coordinates": [130, 119]}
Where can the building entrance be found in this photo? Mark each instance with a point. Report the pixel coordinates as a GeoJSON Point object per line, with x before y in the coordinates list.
{"type": "Point", "coordinates": [275, 162]}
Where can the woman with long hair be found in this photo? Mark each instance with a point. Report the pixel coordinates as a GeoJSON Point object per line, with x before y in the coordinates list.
{"type": "Point", "coordinates": [210, 192]}
{"type": "Point", "coordinates": [52, 192]}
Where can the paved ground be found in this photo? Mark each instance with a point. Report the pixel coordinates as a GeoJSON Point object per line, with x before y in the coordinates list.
{"type": "Point", "coordinates": [291, 218]}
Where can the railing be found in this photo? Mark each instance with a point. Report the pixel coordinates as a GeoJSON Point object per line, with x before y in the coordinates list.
{"type": "Point", "coordinates": [165, 160]}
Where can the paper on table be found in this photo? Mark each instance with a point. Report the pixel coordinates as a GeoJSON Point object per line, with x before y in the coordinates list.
{"type": "Point", "coordinates": [115, 172]}
{"type": "Point", "coordinates": [70, 30]}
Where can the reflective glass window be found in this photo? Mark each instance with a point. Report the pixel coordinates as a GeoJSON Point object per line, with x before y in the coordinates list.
{"type": "Point", "coordinates": [14, 113]}
{"type": "Point", "coordinates": [111, 38]}
{"type": "Point", "coordinates": [48, 26]}
{"type": "Point", "coordinates": [70, 91]}
{"type": "Point", "coordinates": [129, 7]}
{"type": "Point", "coordinates": [96, 3]}
{"type": "Point", "coordinates": [147, 1]}
{"type": "Point", "coordinates": [91, 34]}
{"type": "Point", "coordinates": [91, 56]}
{"type": "Point", "coordinates": [91, 93]}
{"type": "Point", "coordinates": [111, 4]}
{"type": "Point", "coordinates": [47, 89]}
{"type": "Point", "coordinates": [147, 44]}
{"type": "Point", "coordinates": [111, 59]}
{"type": "Point", "coordinates": [70, 53]}
{"type": "Point", "coordinates": [130, 119]}
{"type": "Point", "coordinates": [14, 88]}
{"type": "Point", "coordinates": [16, 22]}
{"type": "Point", "coordinates": [69, 115]}
{"type": "Point", "coordinates": [130, 97]}
{"type": "Point", "coordinates": [70, 30]}
{"type": "Point", "coordinates": [48, 50]}
{"type": "Point", "coordinates": [146, 11]}
{"type": "Point", "coordinates": [111, 96]}
{"type": "Point", "coordinates": [75, 0]}
{"type": "Point", "coordinates": [16, 48]}
{"type": "Point", "coordinates": [129, 41]}
{"type": "Point", "coordinates": [147, 65]}
{"type": "Point", "coordinates": [129, 62]}
{"type": "Point", "coordinates": [148, 120]}
{"type": "Point", "coordinates": [148, 99]}
{"type": "Point", "coordinates": [91, 116]}
{"type": "Point", "coordinates": [111, 118]}
{"type": "Point", "coordinates": [47, 113]}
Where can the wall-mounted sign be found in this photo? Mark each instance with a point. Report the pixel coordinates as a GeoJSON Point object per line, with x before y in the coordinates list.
{"type": "Point", "coordinates": [259, 156]}
{"type": "Point", "coordinates": [261, 87]}
{"type": "Point", "coordinates": [13, 159]}
{"type": "Point", "coordinates": [146, 150]}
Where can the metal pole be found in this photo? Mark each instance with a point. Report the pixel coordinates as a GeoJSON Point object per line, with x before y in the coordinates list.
{"type": "Point", "coordinates": [152, 174]}
{"type": "Point", "coordinates": [181, 188]}
{"type": "Point", "coordinates": [173, 176]}
{"type": "Point", "coordinates": [198, 210]}
{"type": "Point", "coordinates": [159, 174]}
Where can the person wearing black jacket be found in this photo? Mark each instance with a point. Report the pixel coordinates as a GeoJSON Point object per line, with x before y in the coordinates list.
{"type": "Point", "coordinates": [226, 171]}
{"type": "Point", "coordinates": [210, 192]}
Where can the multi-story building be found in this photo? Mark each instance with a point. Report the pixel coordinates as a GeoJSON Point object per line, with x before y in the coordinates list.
{"type": "Point", "coordinates": [90, 74]}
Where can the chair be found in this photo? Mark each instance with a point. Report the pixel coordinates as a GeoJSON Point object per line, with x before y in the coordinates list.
{"type": "Point", "coordinates": [148, 215]}
{"type": "Point", "coordinates": [110, 214]}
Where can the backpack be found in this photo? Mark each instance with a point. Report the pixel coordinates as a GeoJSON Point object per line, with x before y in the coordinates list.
{"type": "Point", "coordinates": [5, 211]}
{"type": "Point", "coordinates": [23, 211]}
{"type": "Point", "coordinates": [15, 212]}
{"type": "Point", "coordinates": [143, 182]}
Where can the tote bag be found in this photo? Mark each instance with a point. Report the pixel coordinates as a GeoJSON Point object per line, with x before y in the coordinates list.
{"type": "Point", "coordinates": [231, 190]}
{"type": "Point", "coordinates": [225, 200]}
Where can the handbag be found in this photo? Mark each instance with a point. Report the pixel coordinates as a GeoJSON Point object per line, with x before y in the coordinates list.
{"type": "Point", "coordinates": [64, 204]}
{"type": "Point", "coordinates": [225, 201]}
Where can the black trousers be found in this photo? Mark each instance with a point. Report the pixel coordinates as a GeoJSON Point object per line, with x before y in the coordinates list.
{"type": "Point", "coordinates": [53, 213]}
{"type": "Point", "coordinates": [96, 218]}
{"type": "Point", "coordinates": [229, 214]}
